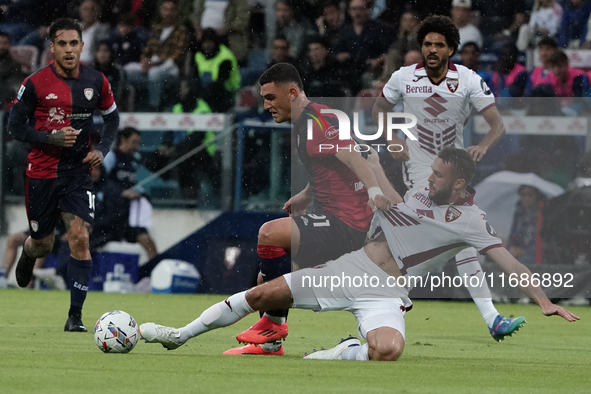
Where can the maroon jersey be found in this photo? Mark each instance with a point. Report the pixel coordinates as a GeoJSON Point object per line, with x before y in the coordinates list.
{"type": "Point", "coordinates": [51, 102]}
{"type": "Point", "coordinates": [336, 188]}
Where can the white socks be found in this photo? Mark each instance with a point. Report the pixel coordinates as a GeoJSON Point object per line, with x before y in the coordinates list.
{"type": "Point", "coordinates": [276, 319]}
{"type": "Point", "coordinates": [358, 353]}
{"type": "Point", "coordinates": [467, 264]}
{"type": "Point", "coordinates": [219, 315]}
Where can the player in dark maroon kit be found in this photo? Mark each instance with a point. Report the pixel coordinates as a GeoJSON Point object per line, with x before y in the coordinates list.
{"type": "Point", "coordinates": [341, 184]}
{"type": "Point", "coordinates": [58, 102]}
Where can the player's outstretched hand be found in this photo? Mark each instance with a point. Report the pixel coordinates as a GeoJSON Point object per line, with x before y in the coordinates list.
{"type": "Point", "coordinates": [477, 152]}
{"type": "Point", "coordinates": [94, 158]}
{"type": "Point", "coordinates": [64, 138]}
{"type": "Point", "coordinates": [403, 154]}
{"type": "Point", "coordinates": [553, 309]}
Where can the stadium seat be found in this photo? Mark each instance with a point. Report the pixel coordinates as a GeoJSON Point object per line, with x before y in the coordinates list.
{"type": "Point", "coordinates": [26, 56]}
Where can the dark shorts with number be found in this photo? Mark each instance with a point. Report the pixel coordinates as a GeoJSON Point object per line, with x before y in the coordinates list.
{"type": "Point", "coordinates": [46, 199]}
{"type": "Point", "coordinates": [324, 238]}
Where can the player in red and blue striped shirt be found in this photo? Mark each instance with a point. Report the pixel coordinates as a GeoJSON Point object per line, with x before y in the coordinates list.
{"type": "Point", "coordinates": [53, 113]}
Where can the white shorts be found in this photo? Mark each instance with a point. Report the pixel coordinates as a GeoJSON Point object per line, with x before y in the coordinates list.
{"type": "Point", "coordinates": [373, 306]}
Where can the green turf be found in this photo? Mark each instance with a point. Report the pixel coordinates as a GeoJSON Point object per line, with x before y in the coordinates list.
{"type": "Point", "coordinates": [448, 350]}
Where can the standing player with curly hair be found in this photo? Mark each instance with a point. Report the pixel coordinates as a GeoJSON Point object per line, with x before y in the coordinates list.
{"type": "Point", "coordinates": [442, 95]}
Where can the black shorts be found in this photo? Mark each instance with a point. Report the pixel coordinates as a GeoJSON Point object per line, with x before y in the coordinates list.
{"type": "Point", "coordinates": [324, 238]}
{"type": "Point", "coordinates": [46, 199]}
{"type": "Point", "coordinates": [130, 234]}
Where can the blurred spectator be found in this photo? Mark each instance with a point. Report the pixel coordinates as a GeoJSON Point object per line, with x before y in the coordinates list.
{"type": "Point", "coordinates": [229, 19]}
{"type": "Point", "coordinates": [16, 18]}
{"type": "Point", "coordinates": [163, 57]}
{"type": "Point", "coordinates": [413, 56]}
{"type": "Point", "coordinates": [524, 240]}
{"type": "Point", "coordinates": [120, 196]}
{"type": "Point", "coordinates": [567, 219]}
{"type": "Point", "coordinates": [10, 71]}
{"type": "Point", "coordinates": [92, 30]}
{"type": "Point", "coordinates": [362, 46]}
{"type": "Point", "coordinates": [280, 52]}
{"type": "Point", "coordinates": [470, 56]}
{"type": "Point", "coordinates": [48, 276]}
{"type": "Point", "coordinates": [583, 178]}
{"type": "Point", "coordinates": [567, 82]}
{"type": "Point", "coordinates": [143, 12]}
{"type": "Point", "coordinates": [200, 166]}
{"type": "Point", "coordinates": [218, 76]}
{"type": "Point", "coordinates": [573, 26]}
{"type": "Point", "coordinates": [461, 14]}
{"type": "Point", "coordinates": [103, 62]}
{"type": "Point", "coordinates": [330, 23]}
{"type": "Point", "coordinates": [126, 43]}
{"type": "Point", "coordinates": [292, 27]}
{"type": "Point", "coordinates": [406, 41]}
{"type": "Point", "coordinates": [509, 77]}
{"type": "Point", "coordinates": [541, 74]}
{"type": "Point", "coordinates": [500, 21]}
{"type": "Point", "coordinates": [321, 74]}
{"type": "Point", "coordinates": [46, 11]}
{"type": "Point", "coordinates": [543, 23]}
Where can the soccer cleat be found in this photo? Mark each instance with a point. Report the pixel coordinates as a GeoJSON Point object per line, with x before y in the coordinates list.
{"type": "Point", "coordinates": [335, 352]}
{"type": "Point", "coordinates": [263, 331]}
{"type": "Point", "coordinates": [74, 324]}
{"type": "Point", "coordinates": [254, 350]}
{"type": "Point", "coordinates": [24, 269]}
{"type": "Point", "coordinates": [167, 336]}
{"type": "Point", "coordinates": [504, 326]}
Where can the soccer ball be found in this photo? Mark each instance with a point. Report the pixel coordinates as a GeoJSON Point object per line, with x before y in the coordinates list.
{"type": "Point", "coordinates": [116, 332]}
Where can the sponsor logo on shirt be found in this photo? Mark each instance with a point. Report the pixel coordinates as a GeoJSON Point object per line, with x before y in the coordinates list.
{"type": "Point", "coordinates": [435, 108]}
{"type": "Point", "coordinates": [78, 116]}
{"type": "Point", "coordinates": [418, 89]}
{"type": "Point", "coordinates": [51, 96]}
{"type": "Point", "coordinates": [331, 132]}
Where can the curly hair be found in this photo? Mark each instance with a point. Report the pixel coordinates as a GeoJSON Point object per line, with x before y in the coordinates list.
{"type": "Point", "coordinates": [442, 25]}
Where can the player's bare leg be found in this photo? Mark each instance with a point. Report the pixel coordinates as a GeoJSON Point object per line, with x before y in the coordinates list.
{"type": "Point", "coordinates": [498, 325]}
{"type": "Point", "coordinates": [79, 267]}
{"type": "Point", "coordinates": [271, 295]}
{"type": "Point", "coordinates": [278, 240]}
{"type": "Point", "coordinates": [148, 244]}
{"type": "Point", "coordinates": [32, 250]}
{"type": "Point", "coordinates": [12, 243]}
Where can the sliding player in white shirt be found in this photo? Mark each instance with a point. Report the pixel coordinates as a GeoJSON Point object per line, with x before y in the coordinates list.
{"type": "Point", "coordinates": [441, 95]}
{"type": "Point", "coordinates": [417, 235]}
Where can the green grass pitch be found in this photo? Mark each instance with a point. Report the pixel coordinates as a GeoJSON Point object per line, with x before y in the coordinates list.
{"type": "Point", "coordinates": [448, 350]}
